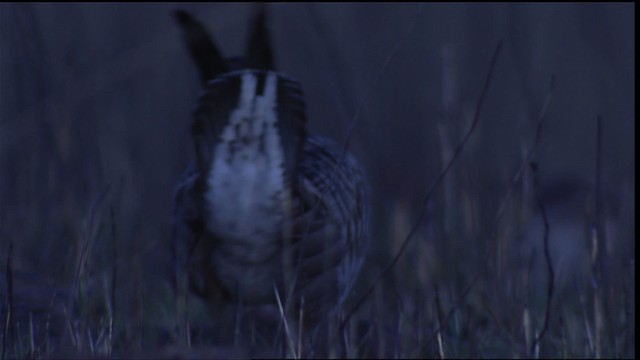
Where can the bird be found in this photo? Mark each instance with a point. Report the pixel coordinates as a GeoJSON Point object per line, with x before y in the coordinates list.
{"type": "Point", "coordinates": [267, 212]}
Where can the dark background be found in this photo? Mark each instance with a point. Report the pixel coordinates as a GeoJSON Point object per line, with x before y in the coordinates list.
{"type": "Point", "coordinates": [95, 104]}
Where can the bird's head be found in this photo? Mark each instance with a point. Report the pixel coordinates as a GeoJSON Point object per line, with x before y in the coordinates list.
{"type": "Point", "coordinates": [248, 127]}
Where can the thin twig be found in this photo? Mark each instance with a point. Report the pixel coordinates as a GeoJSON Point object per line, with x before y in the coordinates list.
{"type": "Point", "coordinates": [32, 346]}
{"type": "Point", "coordinates": [300, 325]}
{"type": "Point", "coordinates": [72, 334]}
{"type": "Point", "coordinates": [339, 73]}
{"type": "Point", "coordinates": [586, 320]}
{"type": "Point", "coordinates": [350, 132]}
{"type": "Point", "coordinates": [434, 184]}
{"type": "Point", "coordinates": [494, 317]}
{"type": "Point", "coordinates": [452, 311]}
{"type": "Point", "coordinates": [8, 321]}
{"type": "Point", "coordinates": [441, 354]}
{"type": "Point", "coordinates": [114, 275]}
{"type": "Point", "coordinates": [599, 260]}
{"type": "Point", "coordinates": [529, 155]}
{"type": "Point", "coordinates": [88, 234]}
{"type": "Point", "coordinates": [550, 273]}
{"type": "Point", "coordinates": [290, 341]}
{"type": "Point", "coordinates": [356, 116]}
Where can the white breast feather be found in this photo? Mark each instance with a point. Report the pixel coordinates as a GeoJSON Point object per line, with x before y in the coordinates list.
{"type": "Point", "coordinates": [245, 184]}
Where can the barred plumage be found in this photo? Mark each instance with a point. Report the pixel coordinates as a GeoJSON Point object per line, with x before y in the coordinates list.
{"type": "Point", "coordinates": [344, 194]}
{"type": "Point", "coordinates": [265, 205]}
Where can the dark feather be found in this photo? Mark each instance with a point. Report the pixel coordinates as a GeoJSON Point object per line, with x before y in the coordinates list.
{"type": "Point", "coordinates": [259, 53]}
{"type": "Point", "coordinates": [202, 48]}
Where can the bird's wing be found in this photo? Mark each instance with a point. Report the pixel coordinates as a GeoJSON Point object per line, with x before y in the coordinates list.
{"type": "Point", "coordinates": [331, 231]}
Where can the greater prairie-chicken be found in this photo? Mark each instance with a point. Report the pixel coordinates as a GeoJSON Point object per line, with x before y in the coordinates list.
{"type": "Point", "coordinates": [265, 206]}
